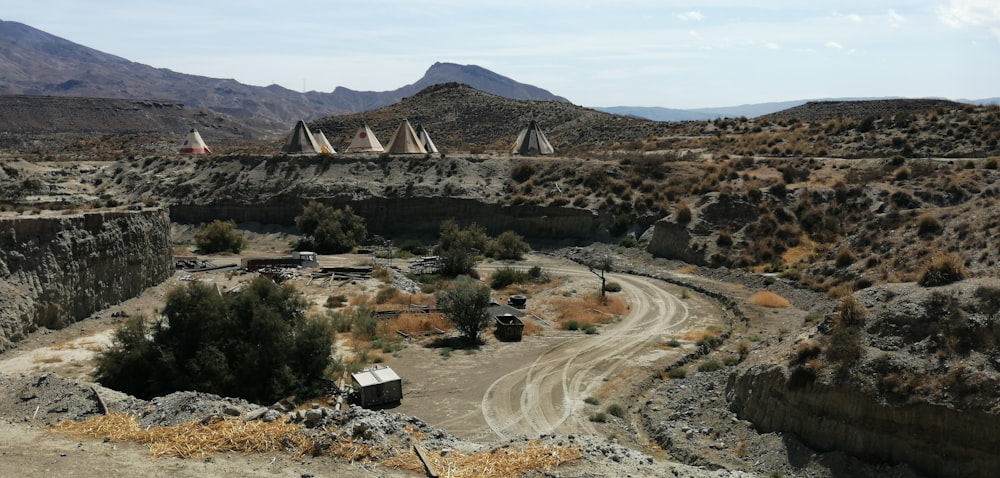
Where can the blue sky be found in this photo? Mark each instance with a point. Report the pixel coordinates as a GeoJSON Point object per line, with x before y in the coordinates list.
{"type": "Point", "coordinates": [677, 54]}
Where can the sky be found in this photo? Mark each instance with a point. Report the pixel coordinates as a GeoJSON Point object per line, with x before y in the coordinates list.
{"type": "Point", "coordinates": [675, 54]}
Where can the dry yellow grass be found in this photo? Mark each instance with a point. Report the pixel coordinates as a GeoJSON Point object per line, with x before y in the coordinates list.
{"type": "Point", "coordinates": [805, 249]}
{"type": "Point", "coordinates": [686, 269]}
{"type": "Point", "coordinates": [767, 298]}
{"type": "Point", "coordinates": [589, 309]}
{"type": "Point", "coordinates": [696, 335]}
{"type": "Point", "coordinates": [417, 323]}
{"type": "Point", "coordinates": [192, 439]}
{"type": "Point", "coordinates": [502, 462]}
{"type": "Point", "coordinates": [48, 359]}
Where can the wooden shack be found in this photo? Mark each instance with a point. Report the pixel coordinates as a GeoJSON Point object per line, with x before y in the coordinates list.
{"type": "Point", "coordinates": [377, 387]}
{"type": "Point", "coordinates": [509, 328]}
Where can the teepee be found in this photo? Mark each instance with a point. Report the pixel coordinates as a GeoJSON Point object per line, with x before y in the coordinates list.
{"type": "Point", "coordinates": [323, 143]}
{"type": "Point", "coordinates": [405, 141]}
{"type": "Point", "coordinates": [364, 142]}
{"type": "Point", "coordinates": [301, 141]}
{"type": "Point", "coordinates": [532, 141]}
{"type": "Point", "coordinates": [193, 144]}
{"type": "Point", "coordinates": [425, 139]}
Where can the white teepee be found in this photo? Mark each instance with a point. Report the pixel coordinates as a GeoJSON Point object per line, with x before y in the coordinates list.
{"type": "Point", "coordinates": [425, 139]}
{"type": "Point", "coordinates": [193, 144]}
{"type": "Point", "coordinates": [364, 142]}
{"type": "Point", "coordinates": [323, 143]}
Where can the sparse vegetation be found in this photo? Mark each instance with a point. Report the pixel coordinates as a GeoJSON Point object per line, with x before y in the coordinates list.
{"type": "Point", "coordinates": [769, 299]}
{"type": "Point", "coordinates": [220, 236]}
{"type": "Point", "coordinates": [941, 270]}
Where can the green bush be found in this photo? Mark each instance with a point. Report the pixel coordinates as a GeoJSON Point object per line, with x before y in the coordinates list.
{"type": "Point", "coordinates": [220, 236]}
{"type": "Point", "coordinates": [677, 373]}
{"type": "Point", "coordinates": [615, 410]}
{"type": "Point", "coordinates": [590, 329]}
{"type": "Point", "coordinates": [414, 247]}
{"type": "Point", "coordinates": [591, 401]}
{"type": "Point", "coordinates": [465, 305]}
{"type": "Point", "coordinates": [328, 230]}
{"type": "Point", "coordinates": [599, 417]}
{"type": "Point", "coordinates": [506, 276]}
{"type": "Point", "coordinates": [613, 287]}
{"type": "Point", "coordinates": [571, 325]}
{"type": "Point", "coordinates": [710, 366]}
{"type": "Point", "coordinates": [508, 246]}
{"type": "Point", "coordinates": [257, 345]}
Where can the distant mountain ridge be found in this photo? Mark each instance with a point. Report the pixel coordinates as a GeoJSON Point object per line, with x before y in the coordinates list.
{"type": "Point", "coordinates": [748, 110]}
{"type": "Point", "coordinates": [33, 62]}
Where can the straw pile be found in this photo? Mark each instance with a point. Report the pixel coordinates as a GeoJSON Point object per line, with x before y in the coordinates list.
{"type": "Point", "coordinates": [501, 462]}
{"type": "Point", "coordinates": [193, 439]}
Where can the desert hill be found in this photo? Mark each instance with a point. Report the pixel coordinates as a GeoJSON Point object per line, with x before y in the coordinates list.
{"type": "Point", "coordinates": [37, 63]}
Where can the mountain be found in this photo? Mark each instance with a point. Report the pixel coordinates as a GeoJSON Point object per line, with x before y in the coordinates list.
{"type": "Point", "coordinates": [753, 110]}
{"type": "Point", "coordinates": [33, 62]}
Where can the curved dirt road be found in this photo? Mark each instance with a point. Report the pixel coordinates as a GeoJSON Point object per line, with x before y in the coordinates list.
{"type": "Point", "coordinates": [547, 395]}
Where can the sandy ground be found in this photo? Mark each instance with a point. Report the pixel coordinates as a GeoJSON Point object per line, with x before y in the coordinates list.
{"type": "Point", "coordinates": [503, 389]}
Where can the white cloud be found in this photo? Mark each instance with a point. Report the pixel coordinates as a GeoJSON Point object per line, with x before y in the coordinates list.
{"type": "Point", "coordinates": [834, 45]}
{"type": "Point", "coordinates": [972, 13]}
{"type": "Point", "coordinates": [691, 16]}
{"type": "Point", "coordinates": [854, 18]}
{"type": "Point", "coordinates": [772, 46]}
{"type": "Point", "coordinates": [895, 19]}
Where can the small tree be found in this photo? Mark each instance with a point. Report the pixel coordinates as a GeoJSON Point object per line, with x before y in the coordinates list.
{"type": "Point", "coordinates": [465, 304]}
{"type": "Point", "coordinates": [458, 247]}
{"type": "Point", "coordinates": [509, 246]}
{"type": "Point", "coordinates": [220, 236]}
{"type": "Point", "coordinates": [599, 268]}
{"type": "Point", "coordinates": [328, 230]}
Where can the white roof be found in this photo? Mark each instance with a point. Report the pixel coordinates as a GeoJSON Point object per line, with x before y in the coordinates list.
{"type": "Point", "coordinates": [367, 378]}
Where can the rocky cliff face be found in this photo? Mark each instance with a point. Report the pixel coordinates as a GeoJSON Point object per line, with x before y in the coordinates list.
{"type": "Point", "coordinates": [912, 380]}
{"type": "Point", "coordinates": [55, 270]}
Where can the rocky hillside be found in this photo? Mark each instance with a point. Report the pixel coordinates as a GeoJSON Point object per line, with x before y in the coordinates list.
{"type": "Point", "coordinates": [56, 269]}
{"type": "Point", "coordinates": [36, 63]}
{"type": "Point", "coordinates": [902, 374]}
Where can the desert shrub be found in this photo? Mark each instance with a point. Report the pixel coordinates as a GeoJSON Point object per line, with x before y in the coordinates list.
{"type": "Point", "coordinates": [523, 171]}
{"type": "Point", "coordinates": [414, 247]}
{"type": "Point", "coordinates": [628, 242]}
{"type": "Point", "coordinates": [710, 366]}
{"type": "Point", "coordinates": [806, 350]}
{"type": "Point", "coordinates": [941, 270]}
{"type": "Point", "coordinates": [725, 238]}
{"type": "Point", "coordinates": [613, 287]}
{"type": "Point", "coordinates": [677, 373]}
{"type": "Point", "coordinates": [591, 401]}
{"type": "Point", "coordinates": [683, 212]}
{"type": "Point", "coordinates": [731, 360]}
{"type": "Point", "coordinates": [571, 325]}
{"type": "Point", "coordinates": [328, 230]}
{"type": "Point", "coordinates": [850, 311]}
{"type": "Point", "coordinates": [615, 410]}
{"type": "Point", "coordinates": [506, 276]}
{"type": "Point", "coordinates": [766, 298]}
{"type": "Point", "coordinates": [459, 247]}
{"type": "Point", "coordinates": [335, 301]}
{"type": "Point", "coordinates": [386, 294]}
{"type": "Point", "coordinates": [508, 246]}
{"type": "Point", "coordinates": [928, 224]}
{"type": "Point", "coordinates": [844, 257]}
{"type": "Point", "coordinates": [902, 174]}
{"type": "Point", "coordinates": [590, 329]}
{"type": "Point", "coordinates": [257, 344]}
{"type": "Point", "coordinates": [220, 236]}
{"type": "Point", "coordinates": [599, 417]}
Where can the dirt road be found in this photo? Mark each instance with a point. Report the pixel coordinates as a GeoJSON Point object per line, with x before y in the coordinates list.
{"type": "Point", "coordinates": [538, 386]}
{"type": "Point", "coordinates": [548, 395]}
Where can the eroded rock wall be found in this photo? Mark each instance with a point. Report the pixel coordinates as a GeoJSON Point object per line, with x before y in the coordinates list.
{"type": "Point", "coordinates": [936, 440]}
{"type": "Point", "coordinates": [55, 270]}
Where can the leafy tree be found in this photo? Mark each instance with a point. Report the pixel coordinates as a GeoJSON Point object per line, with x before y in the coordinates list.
{"type": "Point", "coordinates": [465, 304]}
{"type": "Point", "coordinates": [220, 236]}
{"type": "Point", "coordinates": [257, 345]}
{"type": "Point", "coordinates": [459, 248]}
{"type": "Point", "coordinates": [508, 246]}
{"type": "Point", "coordinates": [329, 230]}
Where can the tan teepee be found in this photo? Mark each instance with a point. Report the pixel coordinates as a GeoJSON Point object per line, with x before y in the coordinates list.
{"type": "Point", "coordinates": [405, 141]}
{"type": "Point", "coordinates": [301, 141]}
{"type": "Point", "coordinates": [323, 143]}
{"type": "Point", "coordinates": [425, 139]}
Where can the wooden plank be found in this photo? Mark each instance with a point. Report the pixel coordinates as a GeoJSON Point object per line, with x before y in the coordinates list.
{"type": "Point", "coordinates": [428, 466]}
{"type": "Point", "coordinates": [100, 401]}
